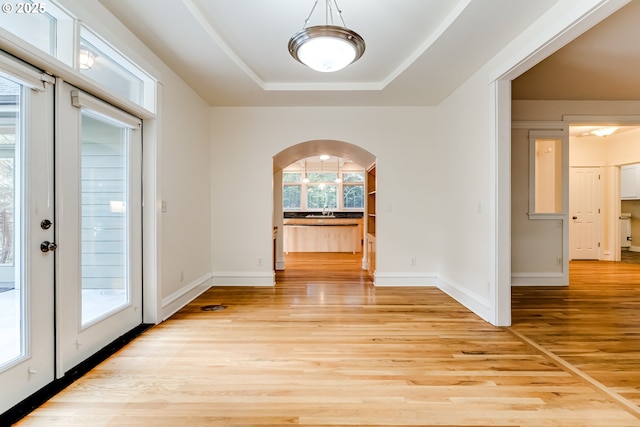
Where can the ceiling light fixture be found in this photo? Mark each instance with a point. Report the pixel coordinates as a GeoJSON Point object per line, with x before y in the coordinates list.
{"type": "Point", "coordinates": [321, 185]}
{"type": "Point", "coordinates": [306, 177]}
{"type": "Point", "coordinates": [606, 131]}
{"type": "Point", "coordinates": [326, 48]}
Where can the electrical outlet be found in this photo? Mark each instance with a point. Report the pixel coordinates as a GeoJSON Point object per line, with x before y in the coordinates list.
{"type": "Point", "coordinates": [412, 261]}
{"type": "Point", "coordinates": [259, 261]}
{"type": "Point", "coordinates": [181, 275]}
{"type": "Point", "coordinates": [559, 261]}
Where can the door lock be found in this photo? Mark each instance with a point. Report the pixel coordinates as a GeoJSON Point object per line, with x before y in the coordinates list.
{"type": "Point", "coordinates": [45, 224]}
{"type": "Point", "coordinates": [47, 246]}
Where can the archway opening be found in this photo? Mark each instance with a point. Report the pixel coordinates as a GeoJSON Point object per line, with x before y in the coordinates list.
{"type": "Point", "coordinates": [320, 204]}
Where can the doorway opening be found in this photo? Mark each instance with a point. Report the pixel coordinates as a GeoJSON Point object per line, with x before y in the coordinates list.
{"type": "Point", "coordinates": [604, 192]}
{"type": "Point", "coordinates": [320, 204]}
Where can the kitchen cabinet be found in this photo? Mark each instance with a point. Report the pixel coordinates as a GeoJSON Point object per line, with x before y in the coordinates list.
{"type": "Point", "coordinates": [630, 182]}
{"type": "Point", "coordinates": [322, 235]}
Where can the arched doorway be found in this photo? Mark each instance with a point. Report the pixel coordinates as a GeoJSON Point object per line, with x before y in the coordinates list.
{"type": "Point", "coordinates": [342, 153]}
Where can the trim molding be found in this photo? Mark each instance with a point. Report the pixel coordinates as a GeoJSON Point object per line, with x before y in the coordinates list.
{"type": "Point", "coordinates": [183, 296]}
{"type": "Point", "coordinates": [539, 279]}
{"type": "Point", "coordinates": [404, 279]}
{"type": "Point", "coordinates": [471, 300]}
{"type": "Point", "coordinates": [243, 278]}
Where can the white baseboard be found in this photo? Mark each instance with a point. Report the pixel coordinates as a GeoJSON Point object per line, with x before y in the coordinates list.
{"type": "Point", "coordinates": [178, 299]}
{"type": "Point", "coordinates": [474, 302]}
{"type": "Point", "coordinates": [243, 278]}
{"type": "Point", "coordinates": [634, 248]}
{"type": "Point", "coordinates": [404, 279]}
{"type": "Point", "coordinates": [539, 279]}
{"type": "Point", "coordinates": [279, 265]}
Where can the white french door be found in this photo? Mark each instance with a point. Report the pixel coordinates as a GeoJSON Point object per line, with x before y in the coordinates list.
{"type": "Point", "coordinates": [26, 233]}
{"type": "Point", "coordinates": [98, 206]}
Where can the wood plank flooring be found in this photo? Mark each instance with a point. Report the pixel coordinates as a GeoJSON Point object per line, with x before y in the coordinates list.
{"type": "Point", "coordinates": [324, 347]}
{"type": "Point", "coordinates": [594, 324]}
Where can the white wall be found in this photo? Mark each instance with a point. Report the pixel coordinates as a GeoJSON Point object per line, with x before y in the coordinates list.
{"type": "Point", "coordinates": [244, 141]}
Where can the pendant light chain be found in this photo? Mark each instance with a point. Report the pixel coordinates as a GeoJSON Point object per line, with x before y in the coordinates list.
{"type": "Point", "coordinates": [306, 21]}
{"type": "Point", "coordinates": [339, 13]}
{"type": "Point", "coordinates": [328, 13]}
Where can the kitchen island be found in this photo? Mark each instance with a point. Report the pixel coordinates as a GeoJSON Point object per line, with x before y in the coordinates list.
{"type": "Point", "coordinates": [322, 234]}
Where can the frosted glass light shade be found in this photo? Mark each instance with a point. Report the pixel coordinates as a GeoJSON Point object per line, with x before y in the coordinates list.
{"type": "Point", "coordinates": [326, 48]}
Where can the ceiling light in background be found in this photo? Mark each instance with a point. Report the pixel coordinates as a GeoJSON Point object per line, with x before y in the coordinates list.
{"type": "Point", "coordinates": [306, 178]}
{"type": "Point", "coordinates": [326, 48]}
{"type": "Point", "coordinates": [605, 131]}
{"type": "Point", "coordinates": [321, 185]}
{"type": "Point", "coordinates": [86, 59]}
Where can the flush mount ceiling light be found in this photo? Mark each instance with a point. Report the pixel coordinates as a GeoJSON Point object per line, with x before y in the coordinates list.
{"type": "Point", "coordinates": [605, 131]}
{"type": "Point", "coordinates": [326, 48]}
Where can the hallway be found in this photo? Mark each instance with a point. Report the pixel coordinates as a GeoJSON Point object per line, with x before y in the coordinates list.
{"type": "Point", "coordinates": [328, 348]}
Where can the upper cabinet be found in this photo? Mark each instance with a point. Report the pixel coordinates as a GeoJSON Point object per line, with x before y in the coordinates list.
{"type": "Point", "coordinates": [630, 182]}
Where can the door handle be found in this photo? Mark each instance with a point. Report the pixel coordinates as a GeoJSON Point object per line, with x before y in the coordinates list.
{"type": "Point", "coordinates": [47, 246]}
{"type": "Point", "coordinates": [575, 217]}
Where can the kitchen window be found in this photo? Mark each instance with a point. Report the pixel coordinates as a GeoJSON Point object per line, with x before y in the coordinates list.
{"type": "Point", "coordinates": [322, 191]}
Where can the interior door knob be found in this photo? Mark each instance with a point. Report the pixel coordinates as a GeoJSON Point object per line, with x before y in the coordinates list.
{"type": "Point", "coordinates": [47, 246]}
{"type": "Point", "coordinates": [45, 224]}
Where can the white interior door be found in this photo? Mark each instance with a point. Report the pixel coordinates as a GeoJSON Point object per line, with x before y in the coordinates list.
{"type": "Point", "coordinates": [26, 223]}
{"type": "Point", "coordinates": [98, 179]}
{"type": "Point", "coordinates": [584, 213]}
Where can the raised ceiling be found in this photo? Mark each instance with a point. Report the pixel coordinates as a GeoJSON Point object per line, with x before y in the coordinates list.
{"type": "Point", "coordinates": [234, 52]}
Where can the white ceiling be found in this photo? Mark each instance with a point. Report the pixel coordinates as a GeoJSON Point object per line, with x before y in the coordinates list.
{"type": "Point", "coordinates": [234, 52]}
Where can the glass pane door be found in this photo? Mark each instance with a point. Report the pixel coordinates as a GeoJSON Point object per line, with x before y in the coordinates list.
{"type": "Point", "coordinates": [26, 225]}
{"type": "Point", "coordinates": [98, 176]}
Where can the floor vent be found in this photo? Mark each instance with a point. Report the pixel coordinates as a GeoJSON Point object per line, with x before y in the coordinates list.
{"type": "Point", "coordinates": [215, 307]}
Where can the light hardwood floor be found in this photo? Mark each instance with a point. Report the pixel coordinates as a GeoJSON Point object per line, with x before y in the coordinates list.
{"type": "Point", "coordinates": [325, 347]}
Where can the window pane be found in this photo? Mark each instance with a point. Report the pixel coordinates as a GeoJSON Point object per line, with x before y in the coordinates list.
{"type": "Point", "coordinates": [548, 175]}
{"type": "Point", "coordinates": [43, 25]}
{"type": "Point", "coordinates": [322, 197]}
{"type": "Point", "coordinates": [12, 298]}
{"type": "Point", "coordinates": [322, 177]}
{"type": "Point", "coordinates": [353, 177]}
{"type": "Point", "coordinates": [292, 177]}
{"type": "Point", "coordinates": [291, 197]}
{"type": "Point", "coordinates": [37, 29]}
{"type": "Point", "coordinates": [102, 63]}
{"type": "Point", "coordinates": [105, 245]}
{"type": "Point", "coordinates": [353, 196]}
